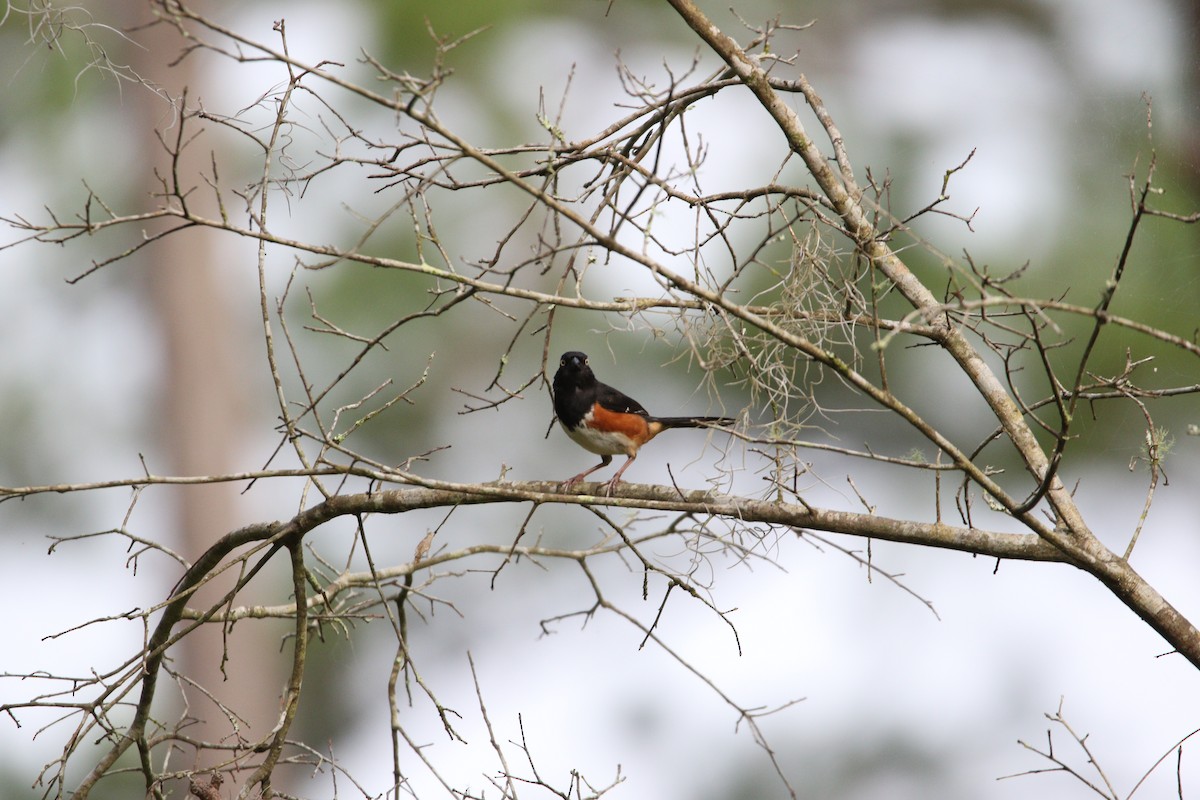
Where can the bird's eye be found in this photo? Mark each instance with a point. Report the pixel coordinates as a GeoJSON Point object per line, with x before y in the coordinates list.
{"type": "Point", "coordinates": [562, 362]}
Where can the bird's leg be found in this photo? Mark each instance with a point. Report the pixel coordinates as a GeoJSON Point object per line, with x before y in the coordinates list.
{"type": "Point", "coordinates": [612, 484]}
{"type": "Point", "coordinates": [569, 482]}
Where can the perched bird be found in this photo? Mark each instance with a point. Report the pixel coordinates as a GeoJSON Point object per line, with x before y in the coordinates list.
{"type": "Point", "coordinates": [605, 421]}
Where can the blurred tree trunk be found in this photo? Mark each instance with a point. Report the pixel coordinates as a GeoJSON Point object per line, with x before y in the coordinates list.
{"type": "Point", "coordinates": [1190, 16]}
{"type": "Point", "coordinates": [201, 416]}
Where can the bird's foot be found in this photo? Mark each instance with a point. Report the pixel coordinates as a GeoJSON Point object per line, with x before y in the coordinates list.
{"type": "Point", "coordinates": [570, 483]}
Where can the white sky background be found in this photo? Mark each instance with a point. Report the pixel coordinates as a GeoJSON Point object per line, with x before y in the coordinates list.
{"type": "Point", "coordinates": [876, 668]}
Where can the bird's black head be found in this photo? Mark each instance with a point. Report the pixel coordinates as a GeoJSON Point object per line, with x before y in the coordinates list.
{"type": "Point", "coordinates": [573, 360]}
{"type": "Point", "coordinates": [573, 370]}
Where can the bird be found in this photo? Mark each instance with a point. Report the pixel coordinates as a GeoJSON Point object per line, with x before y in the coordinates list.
{"type": "Point", "coordinates": [604, 420]}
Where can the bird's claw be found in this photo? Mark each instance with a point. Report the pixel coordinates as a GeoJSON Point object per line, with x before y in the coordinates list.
{"type": "Point", "coordinates": [610, 487]}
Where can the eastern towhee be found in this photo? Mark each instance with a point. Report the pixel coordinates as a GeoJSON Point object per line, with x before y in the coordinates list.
{"type": "Point", "coordinates": [605, 421]}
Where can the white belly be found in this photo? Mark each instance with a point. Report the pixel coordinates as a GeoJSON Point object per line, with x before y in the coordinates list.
{"type": "Point", "coordinates": [599, 442]}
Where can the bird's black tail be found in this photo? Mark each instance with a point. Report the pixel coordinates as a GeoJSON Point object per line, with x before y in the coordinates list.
{"type": "Point", "coordinates": [693, 422]}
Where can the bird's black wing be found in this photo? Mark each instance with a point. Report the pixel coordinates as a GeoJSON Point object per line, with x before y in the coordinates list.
{"type": "Point", "coordinates": [616, 400]}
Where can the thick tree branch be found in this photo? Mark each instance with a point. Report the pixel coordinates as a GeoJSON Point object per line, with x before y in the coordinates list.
{"type": "Point", "coordinates": [1071, 534]}
{"type": "Point", "coordinates": [845, 196]}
